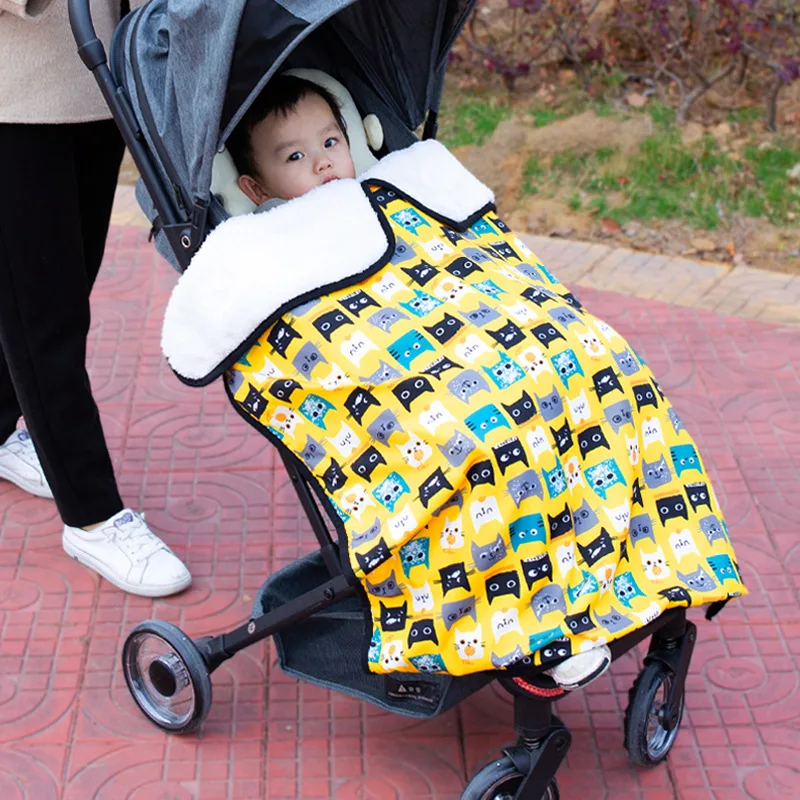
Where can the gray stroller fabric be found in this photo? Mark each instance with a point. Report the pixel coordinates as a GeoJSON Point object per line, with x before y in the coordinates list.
{"type": "Point", "coordinates": [191, 67]}
{"type": "Point", "coordinates": [183, 50]}
{"type": "Point", "coordinates": [328, 649]}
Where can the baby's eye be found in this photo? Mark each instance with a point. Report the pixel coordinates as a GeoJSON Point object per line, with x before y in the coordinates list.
{"type": "Point", "coordinates": [296, 156]}
{"type": "Point", "coordinates": [331, 141]}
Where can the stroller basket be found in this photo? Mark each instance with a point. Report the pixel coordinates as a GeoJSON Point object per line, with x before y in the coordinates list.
{"type": "Point", "coordinates": [328, 648]}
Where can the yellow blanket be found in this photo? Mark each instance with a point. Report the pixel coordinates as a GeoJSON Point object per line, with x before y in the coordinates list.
{"type": "Point", "coordinates": [510, 478]}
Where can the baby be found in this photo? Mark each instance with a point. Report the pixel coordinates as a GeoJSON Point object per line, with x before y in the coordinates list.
{"type": "Point", "coordinates": [291, 140]}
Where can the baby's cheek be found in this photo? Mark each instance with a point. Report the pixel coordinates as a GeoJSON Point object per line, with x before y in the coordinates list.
{"type": "Point", "coordinates": [349, 167]}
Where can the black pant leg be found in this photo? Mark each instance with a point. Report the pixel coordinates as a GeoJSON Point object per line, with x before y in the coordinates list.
{"type": "Point", "coordinates": [98, 155]}
{"type": "Point", "coordinates": [44, 308]}
{"type": "Point", "coordinates": [99, 149]}
{"type": "Point", "coordinates": [10, 411]}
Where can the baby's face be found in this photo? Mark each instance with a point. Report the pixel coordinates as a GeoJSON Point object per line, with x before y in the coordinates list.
{"type": "Point", "coordinates": [300, 151]}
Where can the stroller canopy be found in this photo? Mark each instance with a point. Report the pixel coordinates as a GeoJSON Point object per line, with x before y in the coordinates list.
{"type": "Point", "coordinates": [192, 67]}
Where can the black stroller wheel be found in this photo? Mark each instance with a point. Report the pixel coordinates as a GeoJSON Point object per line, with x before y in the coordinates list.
{"type": "Point", "coordinates": [500, 780]}
{"type": "Point", "coordinates": [647, 739]}
{"type": "Point", "coordinates": [167, 676]}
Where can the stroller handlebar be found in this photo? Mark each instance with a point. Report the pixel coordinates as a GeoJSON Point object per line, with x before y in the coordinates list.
{"type": "Point", "coordinates": [93, 54]}
{"type": "Point", "coordinates": [90, 48]}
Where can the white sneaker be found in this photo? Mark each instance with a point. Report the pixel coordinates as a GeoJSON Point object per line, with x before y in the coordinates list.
{"type": "Point", "coordinates": [582, 668]}
{"type": "Point", "coordinates": [20, 464]}
{"type": "Point", "coordinates": [129, 555]}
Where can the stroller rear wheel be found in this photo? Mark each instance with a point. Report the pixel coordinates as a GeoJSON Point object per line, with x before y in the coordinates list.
{"type": "Point", "coordinates": [167, 676]}
{"type": "Point", "coordinates": [501, 780]}
{"type": "Point", "coordinates": [648, 737]}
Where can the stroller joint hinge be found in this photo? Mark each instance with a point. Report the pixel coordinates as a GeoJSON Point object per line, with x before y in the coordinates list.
{"type": "Point", "coordinates": [213, 651]}
{"type": "Point", "coordinates": [192, 240]}
{"type": "Point", "coordinates": [538, 764]}
{"type": "Point", "coordinates": [677, 659]}
{"type": "Point", "coordinates": [93, 54]}
{"type": "Point", "coordinates": [199, 212]}
{"type": "Point", "coordinates": [531, 743]}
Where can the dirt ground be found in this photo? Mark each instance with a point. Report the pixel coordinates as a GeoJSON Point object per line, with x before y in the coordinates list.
{"type": "Point", "coordinates": [499, 163]}
{"type": "Point", "coordinates": [500, 160]}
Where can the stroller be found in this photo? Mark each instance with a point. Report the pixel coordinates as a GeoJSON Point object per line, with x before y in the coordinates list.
{"type": "Point", "coordinates": [175, 111]}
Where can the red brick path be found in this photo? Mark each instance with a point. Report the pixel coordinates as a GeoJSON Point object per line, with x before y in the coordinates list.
{"type": "Point", "coordinates": [214, 489]}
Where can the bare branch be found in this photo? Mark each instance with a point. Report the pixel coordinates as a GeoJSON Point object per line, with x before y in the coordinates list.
{"type": "Point", "coordinates": [682, 113]}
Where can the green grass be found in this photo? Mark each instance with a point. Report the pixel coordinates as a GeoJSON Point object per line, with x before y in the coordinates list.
{"type": "Point", "coordinates": [663, 116]}
{"type": "Point", "coordinates": [604, 154]}
{"type": "Point", "coordinates": [667, 180]}
{"type": "Point", "coordinates": [577, 169]}
{"type": "Point", "coordinates": [614, 80]}
{"type": "Point", "coordinates": [701, 185]}
{"type": "Point", "coordinates": [532, 172]}
{"type": "Point", "coordinates": [598, 206]}
{"type": "Point", "coordinates": [545, 116]}
{"type": "Point", "coordinates": [746, 115]}
{"type": "Point", "coordinates": [569, 163]}
{"type": "Point", "coordinates": [603, 108]}
{"type": "Point", "coordinates": [471, 121]}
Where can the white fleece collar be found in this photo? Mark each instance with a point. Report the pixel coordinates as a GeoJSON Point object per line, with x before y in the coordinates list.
{"type": "Point", "coordinates": [254, 266]}
{"type": "Point", "coordinates": [435, 178]}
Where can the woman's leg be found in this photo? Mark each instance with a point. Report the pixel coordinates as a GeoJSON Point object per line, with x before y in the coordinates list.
{"type": "Point", "coordinates": [58, 186]}
{"type": "Point", "coordinates": [9, 407]}
{"type": "Point", "coordinates": [47, 174]}
{"type": "Point", "coordinates": [98, 155]}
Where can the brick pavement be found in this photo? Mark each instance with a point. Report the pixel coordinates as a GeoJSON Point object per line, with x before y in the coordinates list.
{"type": "Point", "coordinates": [214, 489]}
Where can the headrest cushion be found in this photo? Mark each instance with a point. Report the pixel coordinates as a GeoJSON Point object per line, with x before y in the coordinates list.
{"type": "Point", "coordinates": [224, 175]}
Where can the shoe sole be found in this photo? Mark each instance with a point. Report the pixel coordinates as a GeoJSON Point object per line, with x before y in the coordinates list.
{"type": "Point", "coordinates": [132, 588]}
{"type": "Point", "coordinates": [579, 684]}
{"type": "Point", "coordinates": [30, 488]}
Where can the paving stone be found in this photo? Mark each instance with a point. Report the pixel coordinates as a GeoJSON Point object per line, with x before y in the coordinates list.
{"type": "Point", "coordinates": [219, 496]}
{"type": "Point", "coordinates": [740, 291]}
{"type": "Point", "coordinates": [750, 292]}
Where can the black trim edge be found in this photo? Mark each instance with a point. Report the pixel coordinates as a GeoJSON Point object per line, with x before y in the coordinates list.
{"type": "Point", "coordinates": [458, 225]}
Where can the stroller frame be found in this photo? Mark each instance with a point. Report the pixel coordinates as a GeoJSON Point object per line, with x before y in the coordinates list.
{"type": "Point", "coordinates": [182, 670]}
{"type": "Point", "coordinates": [529, 766]}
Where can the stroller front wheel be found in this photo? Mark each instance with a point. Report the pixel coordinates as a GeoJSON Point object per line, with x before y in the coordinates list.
{"type": "Point", "coordinates": [167, 676]}
{"type": "Point", "coordinates": [648, 737]}
{"type": "Point", "coordinates": [501, 780]}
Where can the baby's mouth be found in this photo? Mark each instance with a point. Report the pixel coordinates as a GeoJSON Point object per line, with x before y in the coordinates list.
{"type": "Point", "coordinates": [330, 178]}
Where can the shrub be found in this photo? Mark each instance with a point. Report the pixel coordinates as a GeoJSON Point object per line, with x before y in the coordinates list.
{"type": "Point", "coordinates": [768, 32]}
{"type": "Point", "coordinates": [691, 45]}
{"type": "Point", "coordinates": [512, 37]}
{"type": "Point", "coordinates": [685, 42]}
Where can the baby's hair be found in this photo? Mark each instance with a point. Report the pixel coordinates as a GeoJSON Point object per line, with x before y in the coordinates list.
{"type": "Point", "coordinates": [280, 96]}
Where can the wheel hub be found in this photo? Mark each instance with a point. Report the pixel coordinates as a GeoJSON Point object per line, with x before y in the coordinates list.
{"type": "Point", "coordinates": [168, 675]}
{"type": "Point", "coordinates": [159, 680]}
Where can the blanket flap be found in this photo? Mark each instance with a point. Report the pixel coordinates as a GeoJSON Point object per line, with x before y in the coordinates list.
{"type": "Point", "coordinates": [255, 267]}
